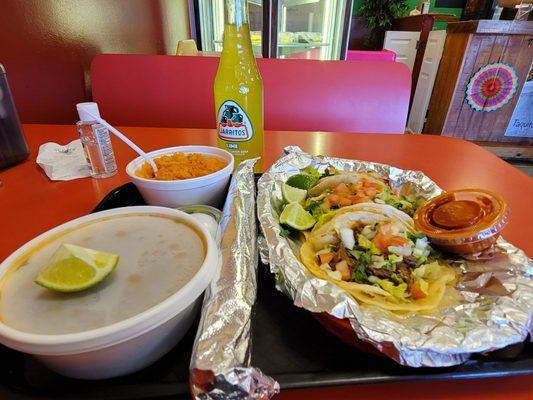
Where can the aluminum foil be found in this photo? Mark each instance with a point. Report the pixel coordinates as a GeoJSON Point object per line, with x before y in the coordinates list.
{"type": "Point", "coordinates": [496, 307]}
{"type": "Point", "coordinates": [220, 363]}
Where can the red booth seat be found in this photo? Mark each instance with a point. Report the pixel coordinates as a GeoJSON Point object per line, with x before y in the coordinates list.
{"type": "Point", "coordinates": [363, 55]}
{"type": "Point", "coordinates": [307, 95]}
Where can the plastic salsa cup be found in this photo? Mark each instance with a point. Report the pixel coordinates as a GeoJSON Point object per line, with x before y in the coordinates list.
{"type": "Point", "coordinates": [463, 221]}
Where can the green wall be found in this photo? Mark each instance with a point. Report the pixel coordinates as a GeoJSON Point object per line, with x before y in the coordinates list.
{"type": "Point", "coordinates": [413, 3]}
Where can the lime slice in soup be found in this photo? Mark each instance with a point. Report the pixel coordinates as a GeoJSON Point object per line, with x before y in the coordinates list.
{"type": "Point", "coordinates": [292, 194]}
{"type": "Point", "coordinates": [302, 181]}
{"type": "Point", "coordinates": [295, 216]}
{"type": "Point", "coordinates": [74, 268]}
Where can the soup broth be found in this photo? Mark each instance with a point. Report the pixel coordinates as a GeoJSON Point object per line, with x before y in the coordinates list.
{"type": "Point", "coordinates": [158, 256]}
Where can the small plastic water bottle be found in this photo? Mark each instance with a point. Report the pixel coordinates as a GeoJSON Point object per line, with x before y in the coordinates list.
{"type": "Point", "coordinates": [96, 142]}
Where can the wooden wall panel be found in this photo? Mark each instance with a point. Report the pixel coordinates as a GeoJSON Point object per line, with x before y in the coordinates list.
{"type": "Point", "coordinates": [464, 122]}
{"type": "Point", "coordinates": [467, 118]}
{"type": "Point", "coordinates": [456, 121]}
{"type": "Point", "coordinates": [450, 67]}
{"type": "Point", "coordinates": [469, 46]}
{"type": "Point", "coordinates": [493, 121]}
{"type": "Point", "coordinates": [519, 54]}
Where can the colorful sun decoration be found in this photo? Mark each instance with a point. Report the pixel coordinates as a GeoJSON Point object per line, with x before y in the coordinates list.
{"type": "Point", "coordinates": [491, 87]}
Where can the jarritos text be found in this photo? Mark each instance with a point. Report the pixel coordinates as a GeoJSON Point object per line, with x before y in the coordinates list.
{"type": "Point", "coordinates": [233, 123]}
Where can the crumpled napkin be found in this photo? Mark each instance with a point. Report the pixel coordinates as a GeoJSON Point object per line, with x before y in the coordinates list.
{"type": "Point", "coordinates": [63, 163]}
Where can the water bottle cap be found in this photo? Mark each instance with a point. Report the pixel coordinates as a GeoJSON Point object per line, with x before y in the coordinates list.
{"type": "Point", "coordinates": [86, 109]}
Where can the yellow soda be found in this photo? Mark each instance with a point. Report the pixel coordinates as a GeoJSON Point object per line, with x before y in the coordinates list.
{"type": "Point", "coordinates": [239, 89]}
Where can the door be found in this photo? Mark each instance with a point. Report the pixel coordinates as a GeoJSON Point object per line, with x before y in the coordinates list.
{"type": "Point", "coordinates": [403, 43]}
{"type": "Point", "coordinates": [312, 29]}
{"type": "Point", "coordinates": [426, 80]}
{"type": "Point", "coordinates": [316, 29]}
{"type": "Point", "coordinates": [210, 17]}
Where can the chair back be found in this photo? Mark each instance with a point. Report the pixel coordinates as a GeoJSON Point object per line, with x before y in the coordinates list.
{"type": "Point", "coordinates": [299, 95]}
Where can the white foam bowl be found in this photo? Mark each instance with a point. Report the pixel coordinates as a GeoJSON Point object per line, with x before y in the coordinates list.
{"type": "Point", "coordinates": [126, 346]}
{"type": "Point", "coordinates": [208, 189]}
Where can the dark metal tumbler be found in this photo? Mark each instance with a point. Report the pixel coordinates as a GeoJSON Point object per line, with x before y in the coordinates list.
{"type": "Point", "coordinates": [13, 147]}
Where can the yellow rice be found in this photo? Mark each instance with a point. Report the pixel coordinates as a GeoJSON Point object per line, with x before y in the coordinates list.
{"type": "Point", "coordinates": [179, 166]}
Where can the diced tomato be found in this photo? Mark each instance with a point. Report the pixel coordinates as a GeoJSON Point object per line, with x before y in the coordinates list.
{"type": "Point", "coordinates": [325, 258]}
{"type": "Point", "coordinates": [380, 240]}
{"type": "Point", "coordinates": [370, 184]}
{"type": "Point", "coordinates": [360, 199]}
{"type": "Point", "coordinates": [384, 240]}
{"type": "Point", "coordinates": [398, 241]}
{"type": "Point", "coordinates": [342, 267]}
{"type": "Point", "coordinates": [339, 200]}
{"type": "Point", "coordinates": [417, 292]}
{"type": "Point", "coordinates": [370, 192]}
{"type": "Point", "coordinates": [345, 195]}
{"type": "Point", "coordinates": [334, 199]}
{"type": "Point", "coordinates": [345, 201]}
{"type": "Point", "coordinates": [342, 189]}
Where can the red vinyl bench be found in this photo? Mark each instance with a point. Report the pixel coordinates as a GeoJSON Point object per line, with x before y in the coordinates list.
{"type": "Point", "coordinates": [366, 55]}
{"type": "Point", "coordinates": [300, 95]}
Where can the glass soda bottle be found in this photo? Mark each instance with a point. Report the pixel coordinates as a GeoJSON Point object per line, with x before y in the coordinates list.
{"type": "Point", "coordinates": [239, 89]}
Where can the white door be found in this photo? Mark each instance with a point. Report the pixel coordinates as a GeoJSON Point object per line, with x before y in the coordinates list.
{"type": "Point", "coordinates": [404, 45]}
{"type": "Point", "coordinates": [426, 80]}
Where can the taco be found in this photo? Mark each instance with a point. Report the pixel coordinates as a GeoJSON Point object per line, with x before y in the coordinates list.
{"type": "Point", "coordinates": [373, 252]}
{"type": "Point", "coordinates": [344, 189]}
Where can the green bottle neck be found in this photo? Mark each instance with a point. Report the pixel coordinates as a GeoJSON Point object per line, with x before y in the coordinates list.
{"type": "Point", "coordinates": [236, 12]}
{"type": "Point", "coordinates": [236, 38]}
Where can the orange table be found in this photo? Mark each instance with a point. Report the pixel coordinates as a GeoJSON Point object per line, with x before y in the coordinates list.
{"type": "Point", "coordinates": [30, 204]}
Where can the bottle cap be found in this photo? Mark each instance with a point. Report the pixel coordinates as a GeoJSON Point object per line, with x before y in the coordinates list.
{"type": "Point", "coordinates": [86, 109]}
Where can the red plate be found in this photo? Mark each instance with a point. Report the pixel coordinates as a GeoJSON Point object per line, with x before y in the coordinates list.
{"type": "Point", "coordinates": [343, 330]}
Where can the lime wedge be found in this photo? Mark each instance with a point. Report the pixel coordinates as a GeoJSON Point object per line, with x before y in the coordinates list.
{"type": "Point", "coordinates": [74, 268]}
{"type": "Point", "coordinates": [302, 181]}
{"type": "Point", "coordinates": [295, 216]}
{"type": "Point", "coordinates": [292, 194]}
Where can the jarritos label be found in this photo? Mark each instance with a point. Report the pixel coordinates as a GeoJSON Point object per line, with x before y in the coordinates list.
{"type": "Point", "coordinates": [233, 124]}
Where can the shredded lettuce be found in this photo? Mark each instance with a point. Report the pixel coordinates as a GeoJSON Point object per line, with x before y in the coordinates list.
{"type": "Point", "coordinates": [421, 260]}
{"type": "Point", "coordinates": [323, 218]}
{"type": "Point", "coordinates": [317, 199]}
{"type": "Point", "coordinates": [397, 291]}
{"type": "Point", "coordinates": [359, 273]}
{"type": "Point", "coordinates": [380, 262]}
{"type": "Point", "coordinates": [394, 258]}
{"type": "Point", "coordinates": [313, 206]}
{"type": "Point", "coordinates": [426, 271]}
{"type": "Point", "coordinates": [400, 202]}
{"type": "Point", "coordinates": [315, 210]}
{"type": "Point", "coordinates": [364, 259]}
{"type": "Point", "coordinates": [311, 171]}
{"type": "Point", "coordinates": [285, 233]}
{"type": "Point", "coordinates": [414, 236]}
{"type": "Point", "coordinates": [364, 243]}
{"type": "Point", "coordinates": [329, 248]}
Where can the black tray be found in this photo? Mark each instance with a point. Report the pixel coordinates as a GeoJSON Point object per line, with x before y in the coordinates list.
{"type": "Point", "coordinates": [288, 344]}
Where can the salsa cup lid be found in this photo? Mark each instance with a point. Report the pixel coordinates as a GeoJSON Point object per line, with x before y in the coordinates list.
{"type": "Point", "coordinates": [462, 216]}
